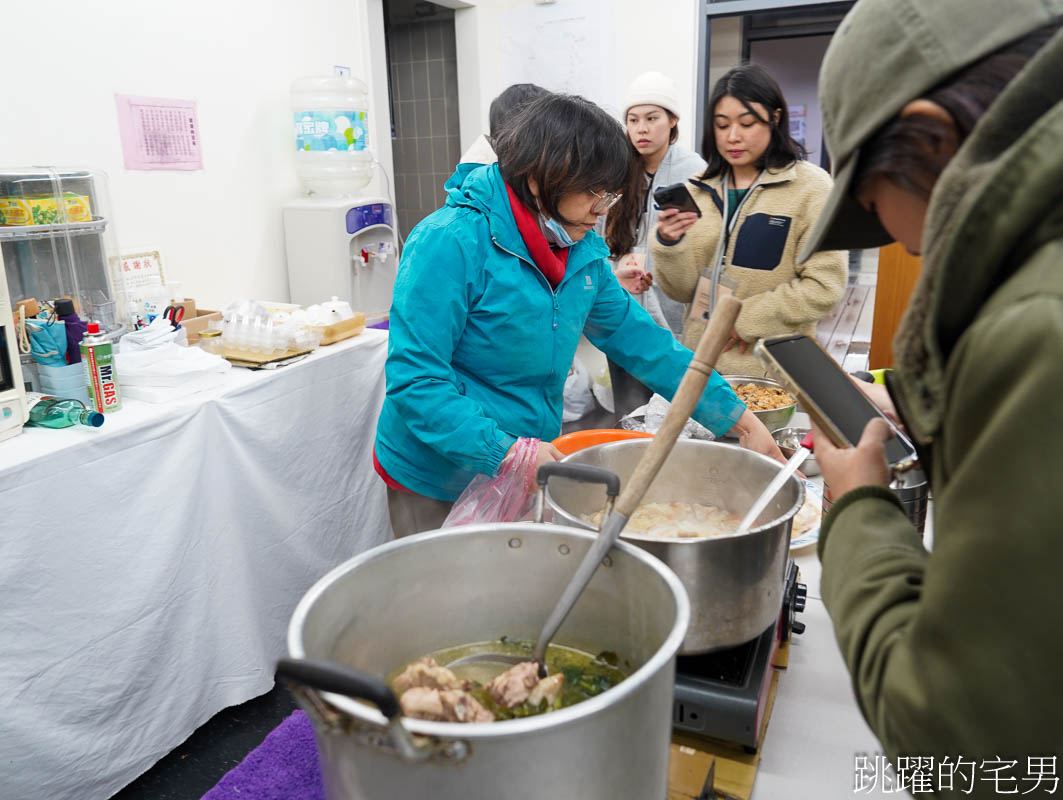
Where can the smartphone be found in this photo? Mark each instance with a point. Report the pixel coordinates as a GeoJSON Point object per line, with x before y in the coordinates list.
{"type": "Point", "coordinates": [829, 396]}
{"type": "Point", "coordinates": [675, 196]}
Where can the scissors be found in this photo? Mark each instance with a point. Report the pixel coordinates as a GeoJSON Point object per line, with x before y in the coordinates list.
{"type": "Point", "coordinates": [175, 314]}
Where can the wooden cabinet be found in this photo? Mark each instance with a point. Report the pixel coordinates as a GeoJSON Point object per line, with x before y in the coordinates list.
{"type": "Point", "coordinates": [897, 273]}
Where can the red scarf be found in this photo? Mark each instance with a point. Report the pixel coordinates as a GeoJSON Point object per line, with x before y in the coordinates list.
{"type": "Point", "coordinates": [551, 263]}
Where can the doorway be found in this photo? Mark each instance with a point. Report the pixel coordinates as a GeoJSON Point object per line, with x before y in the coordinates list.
{"type": "Point", "coordinates": [423, 90]}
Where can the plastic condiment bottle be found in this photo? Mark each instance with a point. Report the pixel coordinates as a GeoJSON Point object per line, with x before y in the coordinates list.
{"type": "Point", "coordinates": [75, 327]}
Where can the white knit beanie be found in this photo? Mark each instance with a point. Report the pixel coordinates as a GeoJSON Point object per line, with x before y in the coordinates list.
{"type": "Point", "coordinates": [653, 89]}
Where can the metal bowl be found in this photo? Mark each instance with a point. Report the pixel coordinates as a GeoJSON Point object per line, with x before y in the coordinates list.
{"type": "Point", "coordinates": [789, 439]}
{"type": "Point", "coordinates": [773, 418]}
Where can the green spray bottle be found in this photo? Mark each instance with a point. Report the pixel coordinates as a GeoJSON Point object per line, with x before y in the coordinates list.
{"type": "Point", "coordinates": [98, 354]}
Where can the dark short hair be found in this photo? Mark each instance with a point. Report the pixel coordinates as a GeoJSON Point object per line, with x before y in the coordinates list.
{"type": "Point", "coordinates": [908, 151]}
{"type": "Point", "coordinates": [565, 144]}
{"type": "Point", "coordinates": [508, 103]}
{"type": "Point", "coordinates": [748, 84]}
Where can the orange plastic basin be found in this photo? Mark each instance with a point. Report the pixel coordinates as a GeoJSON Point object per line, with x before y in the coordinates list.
{"type": "Point", "coordinates": [577, 440]}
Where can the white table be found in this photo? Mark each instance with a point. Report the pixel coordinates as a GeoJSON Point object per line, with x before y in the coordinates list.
{"type": "Point", "coordinates": [148, 569]}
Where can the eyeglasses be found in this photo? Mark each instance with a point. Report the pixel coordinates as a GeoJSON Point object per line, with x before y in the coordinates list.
{"type": "Point", "coordinates": [605, 201]}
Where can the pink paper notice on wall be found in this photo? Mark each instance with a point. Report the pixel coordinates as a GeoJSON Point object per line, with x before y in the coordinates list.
{"type": "Point", "coordinates": [159, 133]}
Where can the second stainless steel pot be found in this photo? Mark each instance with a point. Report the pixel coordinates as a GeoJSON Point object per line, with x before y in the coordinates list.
{"type": "Point", "coordinates": [734, 582]}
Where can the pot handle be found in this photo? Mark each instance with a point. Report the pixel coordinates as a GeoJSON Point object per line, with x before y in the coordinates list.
{"type": "Point", "coordinates": [583, 473]}
{"type": "Point", "coordinates": [327, 676]}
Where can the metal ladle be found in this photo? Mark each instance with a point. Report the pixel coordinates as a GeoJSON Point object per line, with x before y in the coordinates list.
{"type": "Point", "coordinates": [803, 451]}
{"type": "Point", "coordinates": [683, 403]}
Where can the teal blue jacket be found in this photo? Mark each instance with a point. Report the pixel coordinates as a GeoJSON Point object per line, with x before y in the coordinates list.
{"type": "Point", "coordinates": [480, 344]}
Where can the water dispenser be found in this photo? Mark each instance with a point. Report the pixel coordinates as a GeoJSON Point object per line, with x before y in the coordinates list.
{"type": "Point", "coordinates": [342, 246]}
{"type": "Point", "coordinates": [339, 241]}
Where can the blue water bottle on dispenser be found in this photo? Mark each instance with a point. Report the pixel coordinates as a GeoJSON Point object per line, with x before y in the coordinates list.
{"type": "Point", "coordinates": [340, 240]}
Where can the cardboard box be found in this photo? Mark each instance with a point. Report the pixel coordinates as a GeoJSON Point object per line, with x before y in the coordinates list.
{"type": "Point", "coordinates": [338, 331]}
{"type": "Point", "coordinates": [203, 317]}
{"type": "Point", "coordinates": [688, 770]}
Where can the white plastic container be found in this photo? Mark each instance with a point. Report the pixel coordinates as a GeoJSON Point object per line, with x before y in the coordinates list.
{"type": "Point", "coordinates": [331, 126]}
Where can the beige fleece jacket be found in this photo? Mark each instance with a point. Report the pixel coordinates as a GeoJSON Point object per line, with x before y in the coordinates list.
{"type": "Point", "coordinates": [778, 296]}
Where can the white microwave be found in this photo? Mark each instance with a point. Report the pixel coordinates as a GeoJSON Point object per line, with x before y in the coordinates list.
{"type": "Point", "coordinates": [13, 410]}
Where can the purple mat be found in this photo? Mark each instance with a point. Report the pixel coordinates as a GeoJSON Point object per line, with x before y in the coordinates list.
{"type": "Point", "coordinates": [382, 325]}
{"type": "Point", "coordinates": [283, 767]}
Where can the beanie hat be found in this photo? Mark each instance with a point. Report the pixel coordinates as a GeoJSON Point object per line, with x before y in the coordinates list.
{"type": "Point", "coordinates": [653, 89]}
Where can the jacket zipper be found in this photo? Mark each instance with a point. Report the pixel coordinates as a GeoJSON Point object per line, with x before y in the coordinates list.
{"type": "Point", "coordinates": [553, 294]}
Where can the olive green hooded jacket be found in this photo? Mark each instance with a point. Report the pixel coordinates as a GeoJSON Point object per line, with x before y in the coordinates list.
{"type": "Point", "coordinates": [958, 652]}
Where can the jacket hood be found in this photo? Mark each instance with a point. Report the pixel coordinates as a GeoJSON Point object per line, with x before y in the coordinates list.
{"type": "Point", "coordinates": [678, 164]}
{"type": "Point", "coordinates": [999, 198]}
{"type": "Point", "coordinates": [461, 172]}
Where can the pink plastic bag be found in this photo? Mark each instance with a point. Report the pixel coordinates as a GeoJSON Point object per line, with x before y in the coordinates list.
{"type": "Point", "coordinates": [505, 497]}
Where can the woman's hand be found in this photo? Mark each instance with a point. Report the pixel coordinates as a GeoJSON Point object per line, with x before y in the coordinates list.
{"type": "Point", "coordinates": [634, 279]}
{"type": "Point", "coordinates": [673, 223]}
{"type": "Point", "coordinates": [546, 453]}
{"type": "Point", "coordinates": [734, 340]}
{"type": "Point", "coordinates": [880, 396]}
{"type": "Point", "coordinates": [851, 467]}
{"type": "Point", "coordinates": [752, 435]}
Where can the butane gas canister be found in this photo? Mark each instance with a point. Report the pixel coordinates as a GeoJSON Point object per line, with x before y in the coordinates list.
{"type": "Point", "coordinates": [97, 353]}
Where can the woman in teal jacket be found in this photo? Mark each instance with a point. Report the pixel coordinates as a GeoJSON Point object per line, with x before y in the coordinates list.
{"type": "Point", "coordinates": [492, 294]}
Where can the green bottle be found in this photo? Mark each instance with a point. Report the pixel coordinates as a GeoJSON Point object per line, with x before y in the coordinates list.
{"type": "Point", "coordinates": [57, 412]}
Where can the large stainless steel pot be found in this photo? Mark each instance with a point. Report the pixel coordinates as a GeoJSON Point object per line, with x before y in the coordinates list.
{"type": "Point", "coordinates": [734, 582]}
{"type": "Point", "coordinates": [397, 602]}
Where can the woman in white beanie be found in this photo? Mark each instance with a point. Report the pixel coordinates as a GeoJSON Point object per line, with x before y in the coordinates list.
{"type": "Point", "coordinates": [651, 116]}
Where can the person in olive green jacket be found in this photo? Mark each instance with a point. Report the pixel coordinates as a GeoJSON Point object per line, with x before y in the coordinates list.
{"type": "Point", "coordinates": [945, 121]}
{"type": "Point", "coordinates": [757, 177]}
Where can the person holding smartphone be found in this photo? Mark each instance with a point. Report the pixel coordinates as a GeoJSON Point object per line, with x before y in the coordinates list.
{"type": "Point", "coordinates": [951, 146]}
{"type": "Point", "coordinates": [492, 295]}
{"type": "Point", "coordinates": [758, 199]}
{"type": "Point", "coordinates": [651, 119]}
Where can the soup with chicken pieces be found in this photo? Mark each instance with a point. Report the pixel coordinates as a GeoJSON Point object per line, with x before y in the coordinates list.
{"type": "Point", "coordinates": [478, 692]}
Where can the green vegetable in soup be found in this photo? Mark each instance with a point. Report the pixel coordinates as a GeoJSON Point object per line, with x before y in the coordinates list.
{"type": "Point", "coordinates": [586, 675]}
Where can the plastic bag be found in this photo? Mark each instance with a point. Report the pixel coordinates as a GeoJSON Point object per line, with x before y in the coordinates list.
{"type": "Point", "coordinates": [579, 401]}
{"type": "Point", "coordinates": [650, 417]}
{"type": "Point", "coordinates": [505, 497]}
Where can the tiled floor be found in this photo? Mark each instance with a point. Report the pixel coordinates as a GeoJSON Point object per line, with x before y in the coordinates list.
{"type": "Point", "coordinates": [196, 765]}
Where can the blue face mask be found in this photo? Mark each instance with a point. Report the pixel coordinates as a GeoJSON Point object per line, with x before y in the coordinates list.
{"type": "Point", "coordinates": [555, 232]}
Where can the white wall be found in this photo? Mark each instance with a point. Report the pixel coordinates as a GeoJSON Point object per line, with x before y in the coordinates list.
{"type": "Point", "coordinates": [630, 37]}
{"type": "Point", "coordinates": [219, 229]}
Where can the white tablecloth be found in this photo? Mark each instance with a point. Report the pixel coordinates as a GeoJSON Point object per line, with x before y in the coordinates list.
{"type": "Point", "coordinates": [149, 568]}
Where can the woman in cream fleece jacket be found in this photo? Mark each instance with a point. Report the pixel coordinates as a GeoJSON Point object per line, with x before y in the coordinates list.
{"type": "Point", "coordinates": [757, 168]}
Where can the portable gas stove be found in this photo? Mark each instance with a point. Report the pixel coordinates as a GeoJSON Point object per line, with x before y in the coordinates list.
{"type": "Point", "coordinates": [723, 695]}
